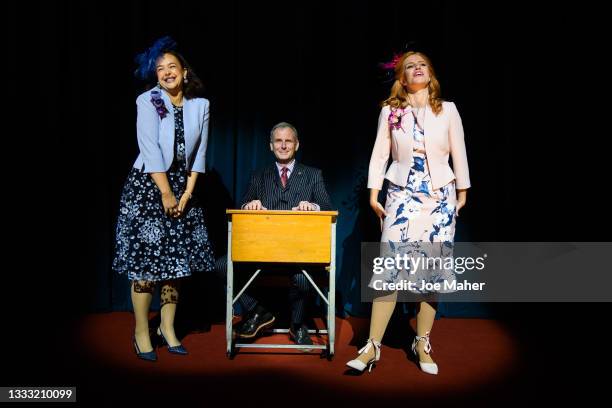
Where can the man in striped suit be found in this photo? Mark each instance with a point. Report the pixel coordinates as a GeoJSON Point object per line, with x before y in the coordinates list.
{"type": "Point", "coordinates": [285, 185]}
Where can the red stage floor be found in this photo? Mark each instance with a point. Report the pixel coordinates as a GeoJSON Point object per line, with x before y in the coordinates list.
{"type": "Point", "coordinates": [475, 357]}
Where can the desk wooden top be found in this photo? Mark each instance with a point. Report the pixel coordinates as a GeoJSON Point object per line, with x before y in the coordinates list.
{"type": "Point", "coordinates": [281, 236]}
{"type": "Point", "coordinates": [281, 212]}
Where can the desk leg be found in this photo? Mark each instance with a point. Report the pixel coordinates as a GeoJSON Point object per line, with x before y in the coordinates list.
{"type": "Point", "coordinates": [229, 291]}
{"type": "Point", "coordinates": [331, 304]}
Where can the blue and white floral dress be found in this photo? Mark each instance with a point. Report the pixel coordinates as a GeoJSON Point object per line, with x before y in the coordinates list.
{"type": "Point", "coordinates": [420, 222]}
{"type": "Point", "coordinates": [151, 245]}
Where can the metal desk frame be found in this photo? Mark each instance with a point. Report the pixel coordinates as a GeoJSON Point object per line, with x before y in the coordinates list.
{"type": "Point", "coordinates": [330, 300]}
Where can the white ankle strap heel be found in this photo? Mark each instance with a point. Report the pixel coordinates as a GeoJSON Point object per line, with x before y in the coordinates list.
{"type": "Point", "coordinates": [430, 368]}
{"type": "Point", "coordinates": [359, 365]}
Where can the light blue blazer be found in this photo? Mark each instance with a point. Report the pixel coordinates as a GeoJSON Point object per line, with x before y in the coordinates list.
{"type": "Point", "coordinates": [156, 135]}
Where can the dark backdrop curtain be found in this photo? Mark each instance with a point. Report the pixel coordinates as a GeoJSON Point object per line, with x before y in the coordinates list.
{"type": "Point", "coordinates": [313, 64]}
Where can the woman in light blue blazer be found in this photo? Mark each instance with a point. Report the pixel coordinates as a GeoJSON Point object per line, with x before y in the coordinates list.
{"type": "Point", "coordinates": [161, 236]}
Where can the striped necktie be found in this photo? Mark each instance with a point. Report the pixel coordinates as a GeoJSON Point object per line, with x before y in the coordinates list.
{"type": "Point", "coordinates": [284, 176]}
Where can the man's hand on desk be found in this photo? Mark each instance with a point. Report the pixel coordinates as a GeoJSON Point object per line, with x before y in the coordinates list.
{"type": "Point", "coordinates": [306, 206]}
{"type": "Point", "coordinates": [254, 205]}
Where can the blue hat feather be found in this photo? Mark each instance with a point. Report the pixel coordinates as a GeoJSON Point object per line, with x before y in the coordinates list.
{"type": "Point", "coordinates": [146, 60]}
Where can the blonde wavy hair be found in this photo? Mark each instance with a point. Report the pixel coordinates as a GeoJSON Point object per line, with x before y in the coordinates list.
{"type": "Point", "coordinates": [399, 95]}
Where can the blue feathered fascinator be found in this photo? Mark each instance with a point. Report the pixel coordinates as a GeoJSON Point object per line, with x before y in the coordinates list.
{"type": "Point", "coordinates": [146, 60]}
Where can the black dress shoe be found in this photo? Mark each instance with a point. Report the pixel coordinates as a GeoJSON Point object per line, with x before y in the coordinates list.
{"type": "Point", "coordinates": [301, 337]}
{"type": "Point", "coordinates": [255, 323]}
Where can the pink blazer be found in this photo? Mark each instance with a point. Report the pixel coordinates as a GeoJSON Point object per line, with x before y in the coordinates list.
{"type": "Point", "coordinates": [443, 135]}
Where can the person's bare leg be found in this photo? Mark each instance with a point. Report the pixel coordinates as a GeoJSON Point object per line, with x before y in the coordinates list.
{"type": "Point", "coordinates": [169, 298]}
{"type": "Point", "coordinates": [382, 310]}
{"type": "Point", "coordinates": [142, 294]}
{"type": "Point", "coordinates": [424, 323]}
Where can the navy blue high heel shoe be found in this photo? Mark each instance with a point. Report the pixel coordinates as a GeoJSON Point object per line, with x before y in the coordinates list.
{"type": "Point", "coordinates": [148, 356]}
{"type": "Point", "coordinates": [180, 349]}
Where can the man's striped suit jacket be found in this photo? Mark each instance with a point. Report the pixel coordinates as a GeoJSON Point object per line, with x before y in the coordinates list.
{"type": "Point", "coordinates": [304, 184]}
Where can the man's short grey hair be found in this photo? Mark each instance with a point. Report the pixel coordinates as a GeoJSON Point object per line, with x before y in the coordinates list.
{"type": "Point", "coordinates": [283, 125]}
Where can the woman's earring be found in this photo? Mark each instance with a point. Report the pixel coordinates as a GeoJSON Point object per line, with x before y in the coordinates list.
{"type": "Point", "coordinates": [185, 80]}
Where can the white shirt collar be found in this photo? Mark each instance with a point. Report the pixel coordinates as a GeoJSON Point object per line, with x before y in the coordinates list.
{"type": "Point", "coordinates": [289, 166]}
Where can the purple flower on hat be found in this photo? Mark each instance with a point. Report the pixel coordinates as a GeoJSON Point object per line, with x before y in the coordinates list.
{"type": "Point", "coordinates": [158, 103]}
{"type": "Point", "coordinates": [390, 65]}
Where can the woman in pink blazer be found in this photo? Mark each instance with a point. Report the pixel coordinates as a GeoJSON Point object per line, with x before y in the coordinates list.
{"type": "Point", "coordinates": [419, 132]}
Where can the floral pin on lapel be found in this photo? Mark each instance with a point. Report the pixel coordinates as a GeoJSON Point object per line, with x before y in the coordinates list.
{"type": "Point", "coordinates": [158, 102]}
{"type": "Point", "coordinates": [395, 118]}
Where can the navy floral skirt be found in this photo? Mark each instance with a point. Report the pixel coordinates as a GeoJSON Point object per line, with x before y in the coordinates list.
{"type": "Point", "coordinates": [152, 246]}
